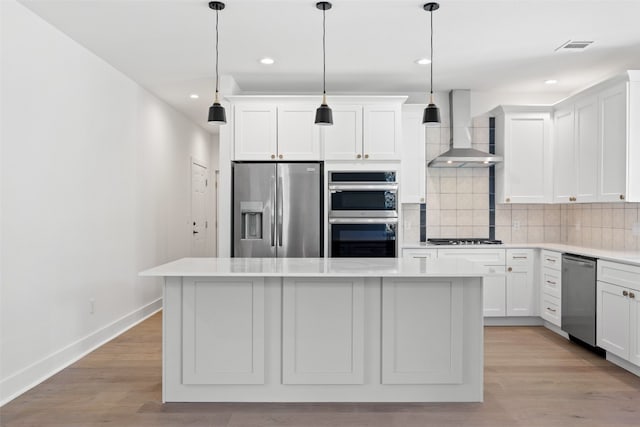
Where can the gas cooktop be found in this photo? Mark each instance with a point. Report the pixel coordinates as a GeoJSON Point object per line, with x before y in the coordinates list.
{"type": "Point", "coordinates": [464, 241]}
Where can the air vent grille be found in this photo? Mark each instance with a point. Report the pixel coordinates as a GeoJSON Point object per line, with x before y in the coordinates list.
{"type": "Point", "coordinates": [574, 45]}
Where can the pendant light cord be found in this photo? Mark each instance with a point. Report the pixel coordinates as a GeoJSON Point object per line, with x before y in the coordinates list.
{"type": "Point", "coordinates": [324, 54]}
{"type": "Point", "coordinates": [431, 63]}
{"type": "Point", "coordinates": [217, 36]}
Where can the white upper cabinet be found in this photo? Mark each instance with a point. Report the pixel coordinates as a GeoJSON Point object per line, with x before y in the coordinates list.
{"type": "Point", "coordinates": [586, 118]}
{"type": "Point", "coordinates": [382, 133]}
{"type": "Point", "coordinates": [343, 140]}
{"type": "Point", "coordinates": [298, 135]}
{"type": "Point", "coordinates": [523, 138]}
{"type": "Point", "coordinates": [413, 189]}
{"type": "Point", "coordinates": [255, 131]}
{"type": "Point", "coordinates": [564, 182]}
{"type": "Point", "coordinates": [613, 149]}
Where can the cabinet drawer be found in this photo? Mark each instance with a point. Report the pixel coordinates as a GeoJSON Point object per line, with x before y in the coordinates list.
{"type": "Point", "coordinates": [551, 282]}
{"type": "Point", "coordinates": [483, 256]}
{"type": "Point", "coordinates": [550, 310]}
{"type": "Point", "coordinates": [552, 260]}
{"type": "Point", "coordinates": [619, 274]}
{"type": "Point", "coordinates": [420, 253]}
{"type": "Point", "coordinates": [519, 256]}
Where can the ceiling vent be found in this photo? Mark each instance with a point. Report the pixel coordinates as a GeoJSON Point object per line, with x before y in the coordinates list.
{"type": "Point", "coordinates": [574, 45]}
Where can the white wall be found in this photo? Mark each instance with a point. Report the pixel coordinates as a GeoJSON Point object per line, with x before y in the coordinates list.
{"type": "Point", "coordinates": [95, 186]}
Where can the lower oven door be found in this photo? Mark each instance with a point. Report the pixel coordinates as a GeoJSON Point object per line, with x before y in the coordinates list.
{"type": "Point", "coordinates": [363, 237]}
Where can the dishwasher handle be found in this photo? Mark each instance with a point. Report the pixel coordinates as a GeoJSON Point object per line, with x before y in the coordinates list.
{"type": "Point", "coordinates": [588, 263]}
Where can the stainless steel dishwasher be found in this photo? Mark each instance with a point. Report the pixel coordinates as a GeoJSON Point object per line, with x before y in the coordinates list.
{"type": "Point", "coordinates": [579, 297]}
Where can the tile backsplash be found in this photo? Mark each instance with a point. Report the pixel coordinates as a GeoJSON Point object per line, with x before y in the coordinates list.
{"type": "Point", "coordinates": [458, 206]}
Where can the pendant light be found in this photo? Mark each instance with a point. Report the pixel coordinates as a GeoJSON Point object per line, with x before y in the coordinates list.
{"type": "Point", "coordinates": [217, 115]}
{"type": "Point", "coordinates": [324, 116]}
{"type": "Point", "coordinates": [431, 114]}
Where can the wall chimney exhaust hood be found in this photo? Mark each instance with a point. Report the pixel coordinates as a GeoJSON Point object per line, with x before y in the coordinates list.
{"type": "Point", "coordinates": [461, 155]}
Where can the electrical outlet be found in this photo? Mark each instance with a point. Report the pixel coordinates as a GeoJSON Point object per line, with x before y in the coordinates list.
{"type": "Point", "coordinates": [516, 225]}
{"type": "Point", "coordinates": [92, 305]}
{"type": "Point", "coordinates": [635, 230]}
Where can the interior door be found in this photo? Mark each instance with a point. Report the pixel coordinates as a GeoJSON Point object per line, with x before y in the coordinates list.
{"type": "Point", "coordinates": [298, 208]}
{"type": "Point", "coordinates": [199, 224]}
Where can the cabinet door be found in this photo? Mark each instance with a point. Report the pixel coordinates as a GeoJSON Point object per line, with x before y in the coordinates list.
{"type": "Point", "coordinates": [587, 154]}
{"type": "Point", "coordinates": [223, 331]}
{"type": "Point", "coordinates": [520, 291]}
{"type": "Point", "coordinates": [613, 144]}
{"type": "Point", "coordinates": [343, 140]}
{"type": "Point", "coordinates": [323, 331]}
{"type": "Point", "coordinates": [382, 132]}
{"type": "Point", "coordinates": [613, 319]}
{"type": "Point", "coordinates": [527, 164]}
{"type": "Point", "coordinates": [298, 135]}
{"type": "Point", "coordinates": [255, 131]}
{"type": "Point", "coordinates": [634, 327]}
{"type": "Point", "coordinates": [494, 294]}
{"type": "Point", "coordinates": [551, 309]}
{"type": "Point", "coordinates": [413, 157]}
{"type": "Point", "coordinates": [564, 179]}
{"type": "Point", "coordinates": [416, 313]}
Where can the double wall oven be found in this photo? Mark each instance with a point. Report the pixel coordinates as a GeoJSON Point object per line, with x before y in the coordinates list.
{"type": "Point", "coordinates": [363, 214]}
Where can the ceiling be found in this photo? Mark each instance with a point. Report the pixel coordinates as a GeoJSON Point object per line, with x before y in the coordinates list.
{"type": "Point", "coordinates": [491, 45]}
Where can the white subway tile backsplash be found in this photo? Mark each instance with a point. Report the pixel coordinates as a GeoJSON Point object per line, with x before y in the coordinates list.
{"type": "Point", "coordinates": [448, 185]}
{"type": "Point", "coordinates": [464, 201]}
{"type": "Point", "coordinates": [448, 201]}
{"type": "Point", "coordinates": [618, 218]}
{"type": "Point", "coordinates": [464, 217]}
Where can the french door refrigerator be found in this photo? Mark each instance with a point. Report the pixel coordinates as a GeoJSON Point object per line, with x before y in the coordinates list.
{"type": "Point", "coordinates": [277, 210]}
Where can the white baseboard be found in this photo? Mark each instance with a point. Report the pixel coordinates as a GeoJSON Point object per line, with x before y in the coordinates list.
{"type": "Point", "coordinates": [623, 364]}
{"type": "Point", "coordinates": [512, 321]}
{"type": "Point", "coordinates": [556, 329]}
{"type": "Point", "coordinates": [32, 375]}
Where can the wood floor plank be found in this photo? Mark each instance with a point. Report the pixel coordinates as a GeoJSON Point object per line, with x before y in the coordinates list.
{"type": "Point", "coordinates": [533, 377]}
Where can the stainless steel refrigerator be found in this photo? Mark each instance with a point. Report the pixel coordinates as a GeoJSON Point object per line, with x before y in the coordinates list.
{"type": "Point", "coordinates": [277, 210]}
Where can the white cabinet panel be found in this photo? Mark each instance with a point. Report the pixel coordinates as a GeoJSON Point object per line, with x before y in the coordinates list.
{"type": "Point", "coordinates": [587, 150]}
{"type": "Point", "coordinates": [343, 140]}
{"type": "Point", "coordinates": [414, 156]}
{"type": "Point", "coordinates": [552, 260]}
{"type": "Point", "coordinates": [416, 314]}
{"type": "Point", "coordinates": [551, 310]}
{"type": "Point", "coordinates": [298, 135]}
{"type": "Point", "coordinates": [420, 253]}
{"type": "Point", "coordinates": [564, 180]}
{"type": "Point", "coordinates": [494, 294]}
{"type": "Point", "coordinates": [634, 327]}
{"type": "Point", "coordinates": [521, 292]}
{"type": "Point", "coordinates": [382, 133]}
{"type": "Point", "coordinates": [613, 319]}
{"type": "Point", "coordinates": [255, 131]}
{"type": "Point", "coordinates": [483, 256]}
{"type": "Point", "coordinates": [613, 148]}
{"type": "Point", "coordinates": [223, 331]}
{"type": "Point", "coordinates": [323, 331]}
{"type": "Point", "coordinates": [551, 282]}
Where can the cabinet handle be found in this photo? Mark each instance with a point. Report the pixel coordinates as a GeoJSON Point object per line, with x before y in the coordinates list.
{"type": "Point", "coordinates": [366, 156]}
{"type": "Point", "coordinates": [359, 156]}
{"type": "Point", "coordinates": [422, 257]}
{"type": "Point", "coordinates": [509, 269]}
{"type": "Point", "coordinates": [280, 156]}
{"type": "Point", "coordinates": [550, 282]}
{"type": "Point", "coordinates": [625, 293]}
{"type": "Point", "coordinates": [507, 200]}
{"type": "Point", "coordinates": [550, 259]}
{"type": "Point", "coordinates": [551, 309]}
{"type": "Point", "coordinates": [519, 257]}
{"type": "Point", "coordinates": [422, 199]}
{"type": "Point", "coordinates": [632, 295]}
{"type": "Point", "coordinates": [273, 156]}
{"type": "Point", "coordinates": [622, 197]}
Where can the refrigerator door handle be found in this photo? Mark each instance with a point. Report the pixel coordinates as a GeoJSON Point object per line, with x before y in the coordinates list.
{"type": "Point", "coordinates": [273, 214]}
{"type": "Point", "coordinates": [279, 197]}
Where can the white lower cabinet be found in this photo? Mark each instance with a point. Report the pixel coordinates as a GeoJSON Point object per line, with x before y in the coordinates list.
{"type": "Point", "coordinates": [420, 253]}
{"type": "Point", "coordinates": [551, 309]}
{"type": "Point", "coordinates": [415, 315]}
{"type": "Point", "coordinates": [521, 290]}
{"type": "Point", "coordinates": [551, 287]}
{"type": "Point", "coordinates": [494, 292]}
{"type": "Point", "coordinates": [323, 331]}
{"type": "Point", "coordinates": [618, 310]}
{"type": "Point", "coordinates": [223, 331]}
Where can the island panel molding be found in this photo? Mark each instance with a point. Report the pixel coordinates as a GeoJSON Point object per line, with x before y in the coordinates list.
{"type": "Point", "coordinates": [223, 331]}
{"type": "Point", "coordinates": [422, 331]}
{"type": "Point", "coordinates": [323, 331]}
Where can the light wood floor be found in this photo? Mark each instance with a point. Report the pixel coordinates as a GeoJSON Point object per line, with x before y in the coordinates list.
{"type": "Point", "coordinates": [532, 378]}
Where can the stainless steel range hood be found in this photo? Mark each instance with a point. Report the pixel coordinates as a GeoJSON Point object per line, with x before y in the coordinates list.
{"type": "Point", "coordinates": [461, 155]}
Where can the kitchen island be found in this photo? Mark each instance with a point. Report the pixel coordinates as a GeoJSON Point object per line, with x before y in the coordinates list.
{"type": "Point", "coordinates": [322, 330]}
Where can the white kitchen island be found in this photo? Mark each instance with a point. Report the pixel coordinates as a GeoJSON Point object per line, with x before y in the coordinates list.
{"type": "Point", "coordinates": [322, 330]}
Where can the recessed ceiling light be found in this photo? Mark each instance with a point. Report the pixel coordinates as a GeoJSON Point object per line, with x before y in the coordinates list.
{"type": "Point", "coordinates": [423, 61]}
{"type": "Point", "coordinates": [194, 96]}
{"type": "Point", "coordinates": [267, 61]}
{"type": "Point", "coordinates": [551, 81]}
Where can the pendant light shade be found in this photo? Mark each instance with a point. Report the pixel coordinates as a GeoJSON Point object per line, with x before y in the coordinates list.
{"type": "Point", "coordinates": [217, 115]}
{"type": "Point", "coordinates": [431, 116]}
{"type": "Point", "coordinates": [324, 115]}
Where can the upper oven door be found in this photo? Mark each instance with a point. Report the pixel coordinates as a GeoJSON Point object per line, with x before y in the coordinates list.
{"type": "Point", "coordinates": [357, 201]}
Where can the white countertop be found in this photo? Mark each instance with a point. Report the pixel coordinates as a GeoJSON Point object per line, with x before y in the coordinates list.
{"type": "Point", "coordinates": [627, 257]}
{"type": "Point", "coordinates": [318, 267]}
